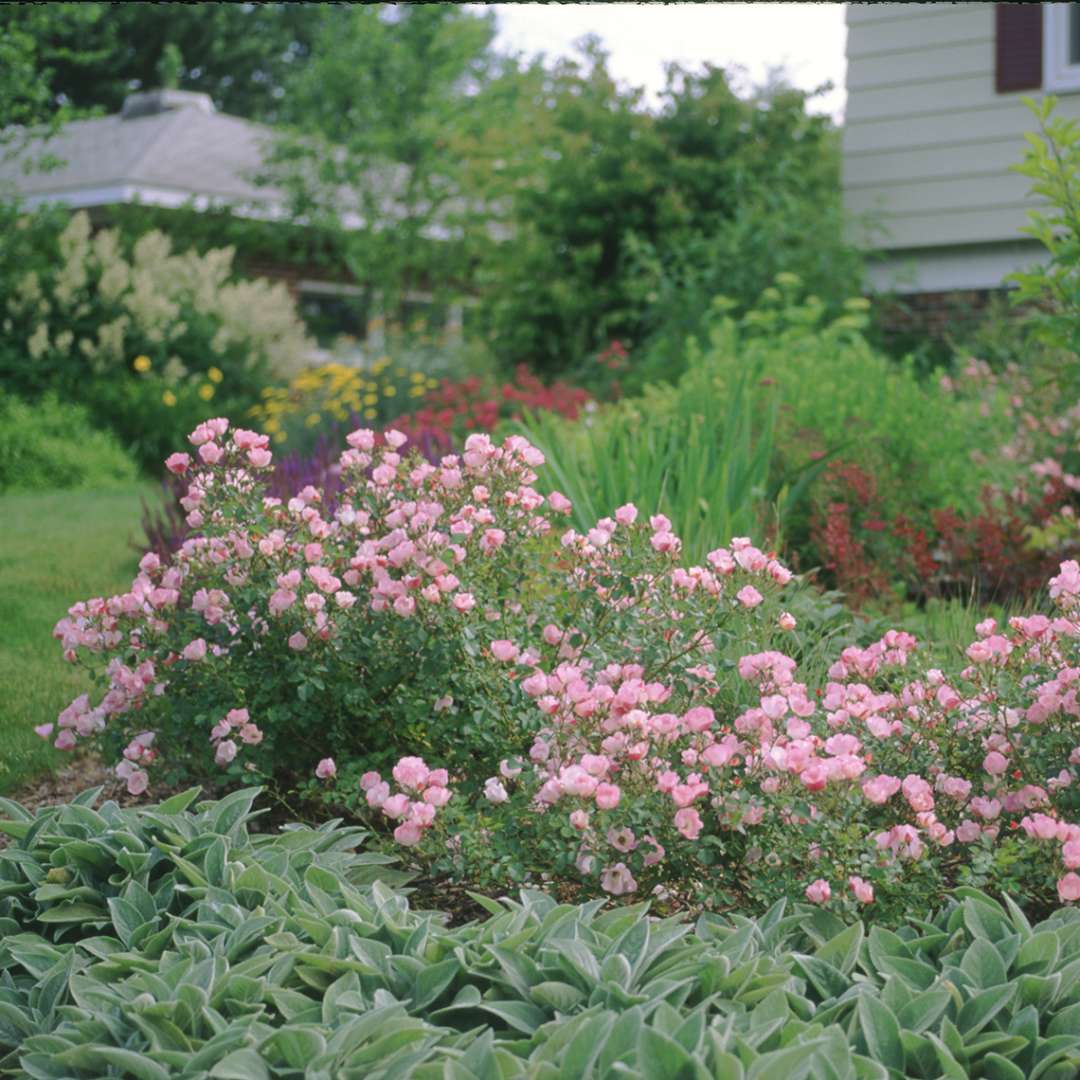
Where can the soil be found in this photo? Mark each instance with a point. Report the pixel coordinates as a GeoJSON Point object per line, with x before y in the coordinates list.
{"type": "Point", "coordinates": [82, 772]}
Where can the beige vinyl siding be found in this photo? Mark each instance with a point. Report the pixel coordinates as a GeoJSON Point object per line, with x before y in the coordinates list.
{"type": "Point", "coordinates": [927, 140]}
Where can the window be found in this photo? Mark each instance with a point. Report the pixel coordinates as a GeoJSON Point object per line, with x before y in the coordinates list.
{"type": "Point", "coordinates": [1061, 47]}
{"type": "Point", "coordinates": [334, 314]}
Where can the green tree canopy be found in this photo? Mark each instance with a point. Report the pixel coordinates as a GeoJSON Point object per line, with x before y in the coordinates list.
{"type": "Point", "coordinates": [97, 53]}
{"type": "Point", "coordinates": [378, 118]}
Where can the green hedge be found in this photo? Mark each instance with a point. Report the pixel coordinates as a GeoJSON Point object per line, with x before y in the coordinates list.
{"type": "Point", "coordinates": [172, 942]}
{"type": "Point", "coordinates": [52, 444]}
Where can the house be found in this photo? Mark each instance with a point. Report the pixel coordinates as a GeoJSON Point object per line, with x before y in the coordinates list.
{"type": "Point", "coordinates": [934, 120]}
{"type": "Point", "coordinates": [172, 150]}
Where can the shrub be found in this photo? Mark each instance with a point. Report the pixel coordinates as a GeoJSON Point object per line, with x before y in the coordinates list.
{"type": "Point", "coordinates": [593, 711]}
{"type": "Point", "coordinates": [1000, 551]}
{"type": "Point", "coordinates": [162, 942]}
{"type": "Point", "coordinates": [145, 338]}
{"type": "Point", "coordinates": [417, 565]}
{"type": "Point", "coordinates": [51, 444]}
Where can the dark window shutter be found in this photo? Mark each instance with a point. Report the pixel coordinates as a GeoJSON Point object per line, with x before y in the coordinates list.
{"type": "Point", "coordinates": [1018, 47]}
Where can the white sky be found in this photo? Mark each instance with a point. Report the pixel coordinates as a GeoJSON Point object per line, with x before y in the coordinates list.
{"type": "Point", "coordinates": [806, 39]}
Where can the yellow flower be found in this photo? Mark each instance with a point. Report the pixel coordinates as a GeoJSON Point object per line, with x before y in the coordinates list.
{"type": "Point", "coordinates": [206, 391]}
{"type": "Point", "coordinates": [312, 419]}
{"type": "Point", "coordinates": [273, 427]}
{"type": "Point", "coordinates": [215, 375]}
{"type": "Point", "coordinates": [371, 399]}
{"type": "Point", "coordinates": [432, 384]}
{"type": "Point", "coordinates": [142, 364]}
{"type": "Point", "coordinates": [417, 377]}
{"type": "Point", "coordinates": [417, 391]}
{"type": "Point", "coordinates": [370, 414]}
{"type": "Point", "coordinates": [169, 398]}
{"type": "Point", "coordinates": [389, 390]}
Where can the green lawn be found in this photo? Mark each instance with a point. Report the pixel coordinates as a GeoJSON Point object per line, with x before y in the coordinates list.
{"type": "Point", "coordinates": [55, 548]}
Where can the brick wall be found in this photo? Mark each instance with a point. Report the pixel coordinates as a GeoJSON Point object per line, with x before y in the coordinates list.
{"type": "Point", "coordinates": [935, 315]}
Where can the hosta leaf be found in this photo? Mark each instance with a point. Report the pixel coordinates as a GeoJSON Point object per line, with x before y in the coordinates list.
{"type": "Point", "coordinates": [432, 981]}
{"type": "Point", "coordinates": [241, 1065]}
{"type": "Point", "coordinates": [517, 1014]}
{"type": "Point", "coordinates": [1066, 1022]}
{"type": "Point", "coordinates": [828, 980]}
{"type": "Point", "coordinates": [979, 1010]}
{"type": "Point", "coordinates": [842, 950]}
{"type": "Point", "coordinates": [924, 1010]}
{"type": "Point", "coordinates": [73, 913]}
{"type": "Point", "coordinates": [229, 812]}
{"type": "Point", "coordinates": [560, 996]}
{"type": "Point", "coordinates": [1039, 953]}
{"type": "Point", "coordinates": [93, 1058]}
{"type": "Point", "coordinates": [918, 975]}
{"type": "Point", "coordinates": [586, 1044]}
{"type": "Point", "coordinates": [621, 1040]}
{"type": "Point", "coordinates": [948, 1064]}
{"type": "Point", "coordinates": [982, 961]}
{"type": "Point", "coordinates": [996, 1067]}
{"type": "Point", "coordinates": [985, 920]}
{"type": "Point", "coordinates": [661, 1057]}
{"type": "Point", "coordinates": [178, 803]}
{"type": "Point", "coordinates": [297, 1046]}
{"type": "Point", "coordinates": [867, 1069]}
{"type": "Point", "coordinates": [1059, 1049]}
{"type": "Point", "coordinates": [1038, 990]}
{"type": "Point", "coordinates": [125, 918]}
{"type": "Point", "coordinates": [13, 811]}
{"type": "Point", "coordinates": [881, 1032]}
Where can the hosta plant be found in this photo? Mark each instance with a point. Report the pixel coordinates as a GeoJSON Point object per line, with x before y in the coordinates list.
{"type": "Point", "coordinates": [208, 951]}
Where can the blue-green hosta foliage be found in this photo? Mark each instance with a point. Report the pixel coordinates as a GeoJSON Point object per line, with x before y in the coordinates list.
{"type": "Point", "coordinates": [171, 942]}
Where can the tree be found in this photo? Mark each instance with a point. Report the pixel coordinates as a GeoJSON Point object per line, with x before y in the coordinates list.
{"type": "Point", "coordinates": [28, 107]}
{"type": "Point", "coordinates": [627, 222]}
{"type": "Point", "coordinates": [98, 53]}
{"type": "Point", "coordinates": [377, 118]}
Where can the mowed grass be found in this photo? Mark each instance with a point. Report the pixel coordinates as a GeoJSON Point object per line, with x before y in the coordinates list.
{"type": "Point", "coordinates": [55, 548]}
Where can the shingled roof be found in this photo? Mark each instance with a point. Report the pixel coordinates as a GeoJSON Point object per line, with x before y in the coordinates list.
{"type": "Point", "coordinates": [167, 147]}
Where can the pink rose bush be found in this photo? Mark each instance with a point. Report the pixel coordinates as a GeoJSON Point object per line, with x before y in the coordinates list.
{"type": "Point", "coordinates": [590, 709]}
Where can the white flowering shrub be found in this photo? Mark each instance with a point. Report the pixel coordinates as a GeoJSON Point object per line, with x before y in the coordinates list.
{"type": "Point", "coordinates": [152, 341]}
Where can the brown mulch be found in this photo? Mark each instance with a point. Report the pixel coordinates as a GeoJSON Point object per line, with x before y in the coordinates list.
{"type": "Point", "coordinates": [82, 772]}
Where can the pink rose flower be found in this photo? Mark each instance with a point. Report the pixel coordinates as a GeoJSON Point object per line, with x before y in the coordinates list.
{"type": "Point", "coordinates": [411, 772]}
{"type": "Point", "coordinates": [863, 891]}
{"type": "Point", "coordinates": [503, 650]}
{"type": "Point", "coordinates": [326, 769]}
{"type": "Point", "coordinates": [396, 805]}
{"type": "Point", "coordinates": [226, 752]}
{"type": "Point", "coordinates": [818, 892]}
{"type": "Point", "coordinates": [194, 651]}
{"type": "Point", "coordinates": [408, 833]}
{"type": "Point", "coordinates": [607, 796]}
{"type": "Point", "coordinates": [1068, 888]}
{"type": "Point", "coordinates": [494, 791]}
{"type": "Point", "coordinates": [298, 643]}
{"type": "Point", "coordinates": [137, 783]}
{"type": "Point", "coordinates": [688, 822]}
{"type": "Point", "coordinates": [749, 597]}
{"type": "Point", "coordinates": [178, 463]}
{"type": "Point", "coordinates": [618, 880]}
